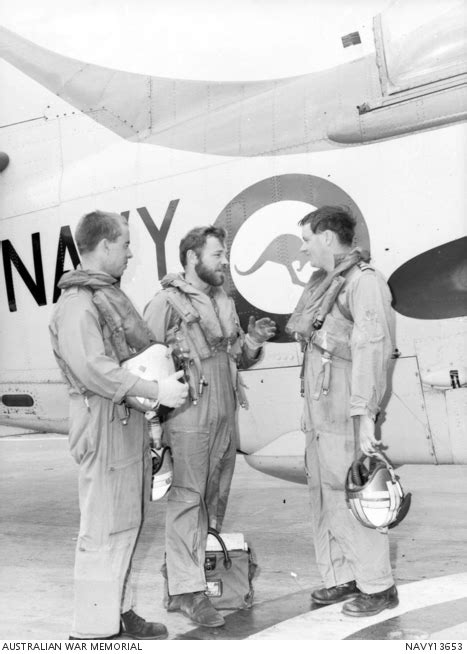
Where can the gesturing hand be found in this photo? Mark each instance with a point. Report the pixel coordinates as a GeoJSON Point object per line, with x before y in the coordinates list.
{"type": "Point", "coordinates": [261, 330]}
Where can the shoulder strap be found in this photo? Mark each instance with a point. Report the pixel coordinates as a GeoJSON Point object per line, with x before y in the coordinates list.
{"type": "Point", "coordinates": [344, 311]}
{"type": "Point", "coordinates": [182, 306]}
{"type": "Point", "coordinates": [362, 266]}
{"type": "Point", "coordinates": [340, 305]}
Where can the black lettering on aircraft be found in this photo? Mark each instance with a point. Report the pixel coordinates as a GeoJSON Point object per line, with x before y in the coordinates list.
{"type": "Point", "coordinates": [159, 235]}
{"type": "Point", "coordinates": [37, 286]}
{"type": "Point", "coordinates": [65, 242]}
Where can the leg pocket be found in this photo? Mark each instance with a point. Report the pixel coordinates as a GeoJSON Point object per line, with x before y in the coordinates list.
{"type": "Point", "coordinates": [190, 453]}
{"type": "Point", "coordinates": [125, 494]}
{"type": "Point", "coordinates": [186, 534]}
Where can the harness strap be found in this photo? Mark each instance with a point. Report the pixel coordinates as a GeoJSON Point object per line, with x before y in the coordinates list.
{"type": "Point", "coordinates": [362, 265]}
{"type": "Point", "coordinates": [182, 306]}
{"type": "Point", "coordinates": [344, 310]}
{"type": "Point", "coordinates": [326, 361]}
{"type": "Point", "coordinates": [186, 313]}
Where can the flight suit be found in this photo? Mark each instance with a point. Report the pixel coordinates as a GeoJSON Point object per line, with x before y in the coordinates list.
{"type": "Point", "coordinates": [202, 436]}
{"type": "Point", "coordinates": [114, 464]}
{"type": "Point", "coordinates": [359, 328]}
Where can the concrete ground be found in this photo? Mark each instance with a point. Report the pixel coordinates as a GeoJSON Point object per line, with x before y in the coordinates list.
{"type": "Point", "coordinates": [39, 518]}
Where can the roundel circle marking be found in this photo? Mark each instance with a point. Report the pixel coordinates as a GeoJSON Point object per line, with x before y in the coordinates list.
{"type": "Point", "coordinates": [277, 245]}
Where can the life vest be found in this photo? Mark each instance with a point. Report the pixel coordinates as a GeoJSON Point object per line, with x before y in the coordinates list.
{"type": "Point", "coordinates": [336, 330]}
{"type": "Point", "coordinates": [128, 332]}
{"type": "Point", "coordinates": [200, 332]}
{"type": "Point", "coordinates": [124, 331]}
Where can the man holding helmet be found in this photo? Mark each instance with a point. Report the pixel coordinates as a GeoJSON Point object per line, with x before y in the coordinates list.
{"type": "Point", "coordinates": [345, 322]}
{"type": "Point", "coordinates": [94, 328]}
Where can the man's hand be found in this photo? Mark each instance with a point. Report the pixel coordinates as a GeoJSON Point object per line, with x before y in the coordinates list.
{"type": "Point", "coordinates": [261, 330]}
{"type": "Point", "coordinates": [172, 392]}
{"type": "Point", "coordinates": [366, 434]}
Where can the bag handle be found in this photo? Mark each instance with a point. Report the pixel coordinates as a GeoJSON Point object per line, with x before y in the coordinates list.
{"type": "Point", "coordinates": [227, 559]}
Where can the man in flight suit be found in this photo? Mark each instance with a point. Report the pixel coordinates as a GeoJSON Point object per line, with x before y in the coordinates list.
{"type": "Point", "coordinates": [345, 322]}
{"type": "Point", "coordinates": [94, 327]}
{"type": "Point", "coordinates": [195, 316]}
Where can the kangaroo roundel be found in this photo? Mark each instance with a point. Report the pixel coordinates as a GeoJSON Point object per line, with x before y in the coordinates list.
{"type": "Point", "coordinates": [267, 269]}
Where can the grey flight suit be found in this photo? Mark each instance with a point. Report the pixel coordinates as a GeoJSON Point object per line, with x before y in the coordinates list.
{"type": "Point", "coordinates": [336, 389]}
{"type": "Point", "coordinates": [202, 437]}
{"type": "Point", "coordinates": [114, 465]}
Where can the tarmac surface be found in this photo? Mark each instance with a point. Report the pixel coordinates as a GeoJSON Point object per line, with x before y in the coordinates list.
{"type": "Point", "coordinates": [39, 517]}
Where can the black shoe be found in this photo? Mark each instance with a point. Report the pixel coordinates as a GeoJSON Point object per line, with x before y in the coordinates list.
{"type": "Point", "coordinates": [198, 608]}
{"type": "Point", "coordinates": [133, 626]}
{"type": "Point", "coordinates": [371, 604]}
{"type": "Point", "coordinates": [335, 593]}
{"type": "Point", "coordinates": [172, 603]}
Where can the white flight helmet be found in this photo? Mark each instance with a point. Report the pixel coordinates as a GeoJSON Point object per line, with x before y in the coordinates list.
{"type": "Point", "coordinates": [153, 363]}
{"type": "Point", "coordinates": [162, 472]}
{"type": "Point", "coordinates": [374, 494]}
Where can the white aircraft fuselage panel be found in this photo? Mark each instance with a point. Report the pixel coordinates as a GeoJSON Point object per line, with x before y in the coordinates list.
{"type": "Point", "coordinates": [212, 163]}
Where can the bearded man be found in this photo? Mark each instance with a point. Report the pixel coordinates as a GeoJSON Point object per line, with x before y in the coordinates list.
{"type": "Point", "coordinates": [195, 316]}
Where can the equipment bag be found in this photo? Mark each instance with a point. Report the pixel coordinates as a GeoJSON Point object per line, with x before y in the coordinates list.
{"type": "Point", "coordinates": [229, 575]}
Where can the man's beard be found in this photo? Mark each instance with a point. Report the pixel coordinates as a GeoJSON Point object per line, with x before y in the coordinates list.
{"type": "Point", "coordinates": [208, 276]}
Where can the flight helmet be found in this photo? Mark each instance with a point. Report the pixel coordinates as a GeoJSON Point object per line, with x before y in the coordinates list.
{"type": "Point", "coordinates": [374, 494]}
{"type": "Point", "coordinates": [154, 363]}
{"type": "Point", "coordinates": [162, 472]}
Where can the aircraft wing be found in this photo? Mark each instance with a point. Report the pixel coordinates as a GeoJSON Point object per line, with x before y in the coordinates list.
{"type": "Point", "coordinates": [202, 116]}
{"type": "Point", "coordinates": [413, 82]}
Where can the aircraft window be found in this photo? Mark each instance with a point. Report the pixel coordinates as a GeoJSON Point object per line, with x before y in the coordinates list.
{"type": "Point", "coordinates": [418, 43]}
{"type": "Point", "coordinates": [17, 400]}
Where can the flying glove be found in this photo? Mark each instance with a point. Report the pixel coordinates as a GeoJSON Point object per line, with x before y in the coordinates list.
{"type": "Point", "coordinates": [260, 331]}
{"type": "Point", "coordinates": [172, 392]}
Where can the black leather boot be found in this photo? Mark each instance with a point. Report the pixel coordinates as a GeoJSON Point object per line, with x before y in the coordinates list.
{"type": "Point", "coordinates": [335, 593]}
{"type": "Point", "coordinates": [371, 604]}
{"type": "Point", "coordinates": [198, 608]}
{"type": "Point", "coordinates": [133, 626]}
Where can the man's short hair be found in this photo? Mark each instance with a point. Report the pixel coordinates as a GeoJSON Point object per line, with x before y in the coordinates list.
{"type": "Point", "coordinates": [336, 219]}
{"type": "Point", "coordinates": [95, 226]}
{"type": "Point", "coordinates": [196, 240]}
